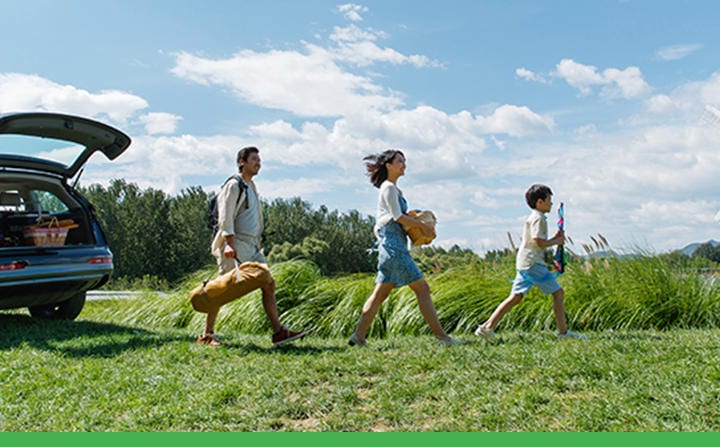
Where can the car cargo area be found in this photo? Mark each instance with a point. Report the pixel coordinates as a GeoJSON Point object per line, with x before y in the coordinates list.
{"type": "Point", "coordinates": [35, 211]}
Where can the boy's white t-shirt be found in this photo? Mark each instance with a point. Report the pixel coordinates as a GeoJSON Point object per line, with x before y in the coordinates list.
{"type": "Point", "coordinates": [530, 253]}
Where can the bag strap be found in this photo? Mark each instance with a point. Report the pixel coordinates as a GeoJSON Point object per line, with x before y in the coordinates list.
{"type": "Point", "coordinates": [204, 283]}
{"type": "Point", "coordinates": [243, 189]}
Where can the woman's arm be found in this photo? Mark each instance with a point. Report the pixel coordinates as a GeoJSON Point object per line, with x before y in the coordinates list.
{"type": "Point", "coordinates": [413, 222]}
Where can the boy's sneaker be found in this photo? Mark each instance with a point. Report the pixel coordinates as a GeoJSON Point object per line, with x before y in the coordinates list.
{"type": "Point", "coordinates": [449, 341]}
{"type": "Point", "coordinates": [570, 334]}
{"type": "Point", "coordinates": [486, 333]}
{"type": "Point", "coordinates": [285, 335]}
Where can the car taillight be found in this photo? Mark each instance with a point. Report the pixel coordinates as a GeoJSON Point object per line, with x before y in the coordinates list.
{"type": "Point", "coordinates": [15, 265]}
{"type": "Point", "coordinates": [101, 260]}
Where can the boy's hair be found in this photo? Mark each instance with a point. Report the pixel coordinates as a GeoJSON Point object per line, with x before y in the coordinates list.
{"type": "Point", "coordinates": [244, 153]}
{"type": "Point", "coordinates": [535, 193]}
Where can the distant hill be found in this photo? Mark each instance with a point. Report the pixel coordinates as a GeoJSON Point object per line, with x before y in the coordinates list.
{"type": "Point", "coordinates": [690, 249]}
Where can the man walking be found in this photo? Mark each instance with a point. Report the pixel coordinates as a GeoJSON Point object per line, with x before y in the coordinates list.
{"type": "Point", "coordinates": [239, 238]}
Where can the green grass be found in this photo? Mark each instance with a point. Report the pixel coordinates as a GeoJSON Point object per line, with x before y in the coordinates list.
{"type": "Point", "coordinates": [651, 363]}
{"type": "Point", "coordinates": [98, 375]}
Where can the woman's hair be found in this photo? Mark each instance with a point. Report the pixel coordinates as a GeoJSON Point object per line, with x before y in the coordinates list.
{"type": "Point", "coordinates": [375, 165]}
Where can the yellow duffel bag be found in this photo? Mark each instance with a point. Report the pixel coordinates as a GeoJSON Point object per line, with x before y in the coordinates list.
{"type": "Point", "coordinates": [238, 282]}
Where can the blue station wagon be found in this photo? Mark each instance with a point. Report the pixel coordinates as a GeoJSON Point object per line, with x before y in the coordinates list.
{"type": "Point", "coordinates": [52, 248]}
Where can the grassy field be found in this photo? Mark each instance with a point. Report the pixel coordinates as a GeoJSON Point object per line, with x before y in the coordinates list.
{"type": "Point", "coordinates": [97, 375]}
{"type": "Point", "coordinates": [651, 363]}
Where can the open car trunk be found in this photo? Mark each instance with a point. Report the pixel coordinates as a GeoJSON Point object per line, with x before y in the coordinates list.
{"type": "Point", "coordinates": [41, 211]}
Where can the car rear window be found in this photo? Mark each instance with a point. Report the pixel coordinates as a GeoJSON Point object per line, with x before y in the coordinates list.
{"type": "Point", "coordinates": [31, 201]}
{"type": "Point", "coordinates": [44, 148]}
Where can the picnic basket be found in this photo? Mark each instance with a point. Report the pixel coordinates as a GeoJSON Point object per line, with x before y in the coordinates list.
{"type": "Point", "coordinates": [50, 233]}
{"type": "Point", "coordinates": [416, 235]}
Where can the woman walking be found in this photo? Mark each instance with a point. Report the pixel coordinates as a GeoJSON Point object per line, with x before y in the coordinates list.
{"type": "Point", "coordinates": [396, 267]}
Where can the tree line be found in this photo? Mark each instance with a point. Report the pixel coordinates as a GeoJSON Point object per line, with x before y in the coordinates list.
{"type": "Point", "coordinates": [163, 238]}
{"type": "Point", "coordinates": [157, 239]}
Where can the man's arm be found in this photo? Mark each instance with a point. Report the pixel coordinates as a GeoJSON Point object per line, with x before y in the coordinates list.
{"type": "Point", "coordinates": [227, 200]}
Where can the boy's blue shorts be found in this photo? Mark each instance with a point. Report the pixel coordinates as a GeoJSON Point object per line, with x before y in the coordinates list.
{"type": "Point", "coordinates": [537, 275]}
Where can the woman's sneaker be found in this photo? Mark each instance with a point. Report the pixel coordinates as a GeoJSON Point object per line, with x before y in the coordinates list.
{"type": "Point", "coordinates": [449, 341]}
{"type": "Point", "coordinates": [570, 334]}
{"type": "Point", "coordinates": [486, 333]}
{"type": "Point", "coordinates": [355, 341]}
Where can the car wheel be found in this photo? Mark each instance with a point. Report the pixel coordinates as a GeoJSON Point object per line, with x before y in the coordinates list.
{"type": "Point", "coordinates": [66, 310]}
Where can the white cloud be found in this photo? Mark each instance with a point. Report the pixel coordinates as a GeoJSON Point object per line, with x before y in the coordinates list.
{"type": "Point", "coordinates": [352, 11]}
{"type": "Point", "coordinates": [691, 101]}
{"type": "Point", "coordinates": [529, 75]}
{"type": "Point", "coordinates": [676, 52]}
{"type": "Point", "coordinates": [160, 122]}
{"type": "Point", "coordinates": [306, 84]}
{"type": "Point", "coordinates": [580, 76]}
{"type": "Point", "coordinates": [627, 83]}
{"type": "Point", "coordinates": [22, 92]}
{"type": "Point", "coordinates": [301, 187]}
{"type": "Point", "coordinates": [353, 33]}
{"type": "Point", "coordinates": [357, 46]}
{"type": "Point", "coordinates": [660, 104]}
{"type": "Point", "coordinates": [314, 81]}
{"type": "Point", "coordinates": [516, 121]}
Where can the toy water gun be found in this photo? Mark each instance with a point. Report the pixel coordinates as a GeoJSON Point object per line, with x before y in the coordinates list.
{"type": "Point", "coordinates": [559, 259]}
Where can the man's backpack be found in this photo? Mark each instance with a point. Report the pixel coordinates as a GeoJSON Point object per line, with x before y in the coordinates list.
{"type": "Point", "coordinates": [212, 208]}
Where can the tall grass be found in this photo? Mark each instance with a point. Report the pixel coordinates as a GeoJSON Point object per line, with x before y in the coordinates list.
{"type": "Point", "coordinates": [611, 293]}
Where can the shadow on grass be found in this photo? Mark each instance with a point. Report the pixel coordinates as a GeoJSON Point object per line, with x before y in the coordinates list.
{"type": "Point", "coordinates": [298, 348]}
{"type": "Point", "coordinates": [76, 338]}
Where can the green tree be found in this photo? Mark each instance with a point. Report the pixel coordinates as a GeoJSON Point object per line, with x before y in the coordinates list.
{"type": "Point", "coordinates": [190, 246]}
{"type": "Point", "coordinates": [336, 242]}
{"type": "Point", "coordinates": [432, 259]}
{"type": "Point", "coordinates": [290, 221]}
{"type": "Point", "coordinates": [708, 251]}
{"type": "Point", "coordinates": [137, 226]}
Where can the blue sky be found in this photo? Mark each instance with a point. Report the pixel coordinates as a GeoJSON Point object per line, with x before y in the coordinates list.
{"type": "Point", "coordinates": [608, 102]}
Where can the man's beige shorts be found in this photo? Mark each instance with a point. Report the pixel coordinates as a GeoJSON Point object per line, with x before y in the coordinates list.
{"type": "Point", "coordinates": [245, 253]}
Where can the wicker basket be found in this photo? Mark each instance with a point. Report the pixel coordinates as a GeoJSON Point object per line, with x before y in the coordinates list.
{"type": "Point", "coordinates": [50, 233]}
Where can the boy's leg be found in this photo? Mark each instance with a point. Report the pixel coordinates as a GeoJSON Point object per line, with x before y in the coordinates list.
{"type": "Point", "coordinates": [503, 308]}
{"type": "Point", "coordinates": [559, 310]}
{"type": "Point", "coordinates": [371, 308]}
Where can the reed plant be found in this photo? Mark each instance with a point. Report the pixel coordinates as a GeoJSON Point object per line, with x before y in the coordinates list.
{"type": "Point", "coordinates": [603, 291]}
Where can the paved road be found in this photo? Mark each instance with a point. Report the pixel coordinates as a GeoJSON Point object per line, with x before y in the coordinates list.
{"type": "Point", "coordinates": [98, 295]}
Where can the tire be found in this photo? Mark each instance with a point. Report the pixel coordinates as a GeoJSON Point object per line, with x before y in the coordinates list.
{"type": "Point", "coordinates": [65, 310]}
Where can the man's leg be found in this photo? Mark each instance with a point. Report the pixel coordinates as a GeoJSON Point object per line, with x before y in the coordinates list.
{"type": "Point", "coordinates": [270, 306]}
